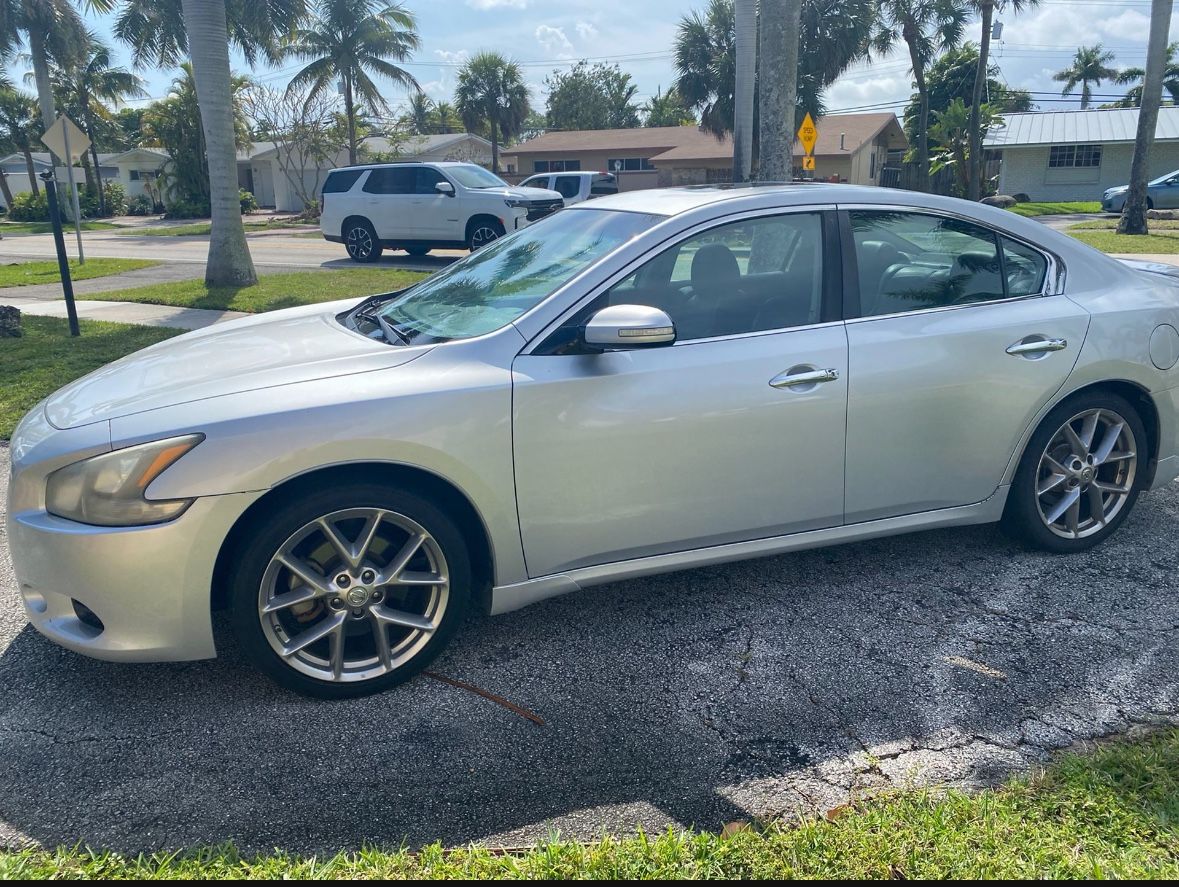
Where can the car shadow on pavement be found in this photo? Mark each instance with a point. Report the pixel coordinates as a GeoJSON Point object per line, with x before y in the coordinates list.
{"type": "Point", "coordinates": [740, 690]}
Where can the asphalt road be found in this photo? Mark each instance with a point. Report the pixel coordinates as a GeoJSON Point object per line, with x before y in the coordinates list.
{"type": "Point", "coordinates": [695, 698]}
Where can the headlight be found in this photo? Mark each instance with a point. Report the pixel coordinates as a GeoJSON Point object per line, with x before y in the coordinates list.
{"type": "Point", "coordinates": [108, 490]}
{"type": "Point", "coordinates": [516, 202]}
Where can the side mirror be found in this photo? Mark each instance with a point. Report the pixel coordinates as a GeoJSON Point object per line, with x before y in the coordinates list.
{"type": "Point", "coordinates": [629, 326]}
{"type": "Point", "coordinates": [444, 188]}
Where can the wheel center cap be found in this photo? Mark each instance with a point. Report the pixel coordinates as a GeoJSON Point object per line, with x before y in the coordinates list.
{"type": "Point", "coordinates": [357, 595]}
{"type": "Point", "coordinates": [1087, 475]}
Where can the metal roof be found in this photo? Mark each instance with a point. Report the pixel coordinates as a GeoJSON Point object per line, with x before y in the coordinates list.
{"type": "Point", "coordinates": [1078, 127]}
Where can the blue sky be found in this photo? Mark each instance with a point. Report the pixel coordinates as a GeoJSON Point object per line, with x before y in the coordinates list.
{"type": "Point", "coordinates": [638, 35]}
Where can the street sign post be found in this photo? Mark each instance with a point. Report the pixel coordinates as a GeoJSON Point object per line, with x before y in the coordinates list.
{"type": "Point", "coordinates": [808, 135]}
{"type": "Point", "coordinates": [67, 140]}
{"type": "Point", "coordinates": [63, 262]}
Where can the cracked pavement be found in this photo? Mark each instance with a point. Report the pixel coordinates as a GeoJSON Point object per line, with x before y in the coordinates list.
{"type": "Point", "coordinates": [756, 689]}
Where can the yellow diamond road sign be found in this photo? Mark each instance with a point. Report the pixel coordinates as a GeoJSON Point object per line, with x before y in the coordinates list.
{"type": "Point", "coordinates": [808, 134]}
{"type": "Point", "coordinates": [808, 162]}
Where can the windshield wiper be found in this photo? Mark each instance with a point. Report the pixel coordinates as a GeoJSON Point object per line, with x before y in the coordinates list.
{"type": "Point", "coordinates": [388, 329]}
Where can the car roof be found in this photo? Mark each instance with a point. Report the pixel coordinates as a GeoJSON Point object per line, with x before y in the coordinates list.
{"type": "Point", "coordinates": [442, 163]}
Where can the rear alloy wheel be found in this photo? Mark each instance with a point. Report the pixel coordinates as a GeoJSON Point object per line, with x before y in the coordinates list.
{"type": "Point", "coordinates": [1080, 476]}
{"type": "Point", "coordinates": [483, 233]}
{"type": "Point", "coordinates": [361, 242]}
{"type": "Point", "coordinates": [350, 600]}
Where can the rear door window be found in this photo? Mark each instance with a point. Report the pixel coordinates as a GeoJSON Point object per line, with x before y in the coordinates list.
{"type": "Point", "coordinates": [568, 186]}
{"type": "Point", "coordinates": [341, 180]}
{"type": "Point", "coordinates": [391, 180]}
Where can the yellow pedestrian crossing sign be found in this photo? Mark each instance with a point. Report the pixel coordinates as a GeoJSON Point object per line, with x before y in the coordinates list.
{"type": "Point", "coordinates": [808, 134]}
{"type": "Point", "coordinates": [808, 162]}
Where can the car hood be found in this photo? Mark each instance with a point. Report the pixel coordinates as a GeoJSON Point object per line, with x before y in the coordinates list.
{"type": "Point", "coordinates": [277, 348]}
{"type": "Point", "coordinates": [525, 193]}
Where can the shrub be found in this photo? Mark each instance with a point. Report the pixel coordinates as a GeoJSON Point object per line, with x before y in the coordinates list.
{"type": "Point", "coordinates": [29, 208]}
{"type": "Point", "coordinates": [116, 198]}
{"type": "Point", "coordinates": [140, 205]}
{"type": "Point", "coordinates": [248, 201]}
{"type": "Point", "coordinates": [184, 208]}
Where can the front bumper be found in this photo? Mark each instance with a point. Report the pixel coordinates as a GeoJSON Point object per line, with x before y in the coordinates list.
{"type": "Point", "coordinates": [150, 587]}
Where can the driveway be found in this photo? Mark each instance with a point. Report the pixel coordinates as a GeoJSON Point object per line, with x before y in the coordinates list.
{"type": "Point", "coordinates": [697, 698]}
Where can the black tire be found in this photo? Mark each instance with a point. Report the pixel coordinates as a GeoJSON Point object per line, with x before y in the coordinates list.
{"type": "Point", "coordinates": [1149, 203]}
{"type": "Point", "coordinates": [482, 231]}
{"type": "Point", "coordinates": [271, 532]}
{"type": "Point", "coordinates": [1022, 517]}
{"type": "Point", "coordinates": [417, 250]}
{"type": "Point", "coordinates": [360, 239]}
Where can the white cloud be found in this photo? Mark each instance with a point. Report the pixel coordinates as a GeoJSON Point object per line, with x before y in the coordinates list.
{"type": "Point", "coordinates": [458, 57]}
{"type": "Point", "coordinates": [498, 4]}
{"type": "Point", "coordinates": [586, 31]}
{"type": "Point", "coordinates": [554, 41]}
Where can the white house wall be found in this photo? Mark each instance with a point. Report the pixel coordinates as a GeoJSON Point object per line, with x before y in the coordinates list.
{"type": "Point", "coordinates": [1025, 170]}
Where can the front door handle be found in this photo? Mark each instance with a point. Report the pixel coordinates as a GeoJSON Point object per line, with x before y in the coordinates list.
{"type": "Point", "coordinates": [1037, 345]}
{"type": "Point", "coordinates": [797, 376]}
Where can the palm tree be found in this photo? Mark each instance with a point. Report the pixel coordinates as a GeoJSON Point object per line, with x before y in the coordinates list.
{"type": "Point", "coordinates": [834, 35]}
{"type": "Point", "coordinates": [348, 40]}
{"type": "Point", "coordinates": [987, 10]}
{"type": "Point", "coordinates": [445, 117]}
{"type": "Point", "coordinates": [667, 109]}
{"type": "Point", "coordinates": [744, 83]}
{"type": "Point", "coordinates": [778, 93]}
{"type": "Point", "coordinates": [1136, 76]}
{"type": "Point", "coordinates": [20, 127]}
{"type": "Point", "coordinates": [1133, 219]}
{"type": "Point", "coordinates": [420, 114]}
{"type": "Point", "coordinates": [164, 32]}
{"type": "Point", "coordinates": [492, 93]}
{"type": "Point", "coordinates": [1090, 66]}
{"type": "Point", "coordinates": [88, 81]}
{"type": "Point", "coordinates": [927, 27]}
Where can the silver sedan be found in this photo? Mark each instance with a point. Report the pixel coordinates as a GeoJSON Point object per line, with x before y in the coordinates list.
{"type": "Point", "coordinates": [641, 383]}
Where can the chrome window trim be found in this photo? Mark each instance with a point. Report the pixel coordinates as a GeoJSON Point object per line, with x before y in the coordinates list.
{"type": "Point", "coordinates": [1055, 272]}
{"type": "Point", "coordinates": [941, 308]}
{"type": "Point", "coordinates": [671, 240]}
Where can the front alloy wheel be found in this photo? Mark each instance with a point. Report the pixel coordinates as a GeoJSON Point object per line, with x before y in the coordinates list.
{"type": "Point", "coordinates": [361, 242]}
{"type": "Point", "coordinates": [481, 235]}
{"type": "Point", "coordinates": [350, 590]}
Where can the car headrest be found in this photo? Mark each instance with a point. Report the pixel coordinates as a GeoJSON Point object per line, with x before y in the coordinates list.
{"type": "Point", "coordinates": [715, 265]}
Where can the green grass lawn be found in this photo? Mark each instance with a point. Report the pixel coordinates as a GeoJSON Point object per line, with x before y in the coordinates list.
{"type": "Point", "coordinates": [1111, 814]}
{"type": "Point", "coordinates": [1111, 224]}
{"type": "Point", "coordinates": [46, 357]}
{"type": "Point", "coordinates": [45, 228]}
{"type": "Point", "coordinates": [1056, 209]}
{"type": "Point", "coordinates": [28, 273]}
{"type": "Point", "coordinates": [1159, 240]}
{"type": "Point", "coordinates": [200, 229]}
{"type": "Point", "coordinates": [272, 290]}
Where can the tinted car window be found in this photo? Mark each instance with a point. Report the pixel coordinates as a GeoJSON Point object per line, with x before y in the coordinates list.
{"type": "Point", "coordinates": [427, 178]}
{"type": "Point", "coordinates": [535, 182]}
{"type": "Point", "coordinates": [341, 180]}
{"type": "Point", "coordinates": [1025, 268]}
{"type": "Point", "coordinates": [748, 276]}
{"type": "Point", "coordinates": [567, 186]}
{"type": "Point", "coordinates": [391, 180]}
{"type": "Point", "coordinates": [911, 261]}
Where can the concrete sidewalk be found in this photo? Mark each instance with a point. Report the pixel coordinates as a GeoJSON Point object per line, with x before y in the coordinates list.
{"type": "Point", "coordinates": [165, 272]}
{"type": "Point", "coordinates": [126, 312]}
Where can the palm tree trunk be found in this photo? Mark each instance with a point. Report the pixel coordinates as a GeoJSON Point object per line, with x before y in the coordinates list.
{"type": "Point", "coordinates": [31, 169]}
{"type": "Point", "coordinates": [1086, 94]}
{"type": "Point", "coordinates": [922, 118]}
{"type": "Point", "coordinates": [41, 76]}
{"type": "Point", "coordinates": [746, 36]}
{"type": "Point", "coordinates": [350, 115]}
{"type": "Point", "coordinates": [229, 261]}
{"type": "Point", "coordinates": [777, 94]}
{"type": "Point", "coordinates": [5, 191]}
{"type": "Point", "coordinates": [974, 182]}
{"type": "Point", "coordinates": [97, 171]}
{"type": "Point", "coordinates": [1133, 219]}
{"type": "Point", "coordinates": [494, 146]}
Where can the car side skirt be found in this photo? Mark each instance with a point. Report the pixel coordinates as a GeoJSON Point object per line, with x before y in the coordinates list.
{"type": "Point", "coordinates": [505, 598]}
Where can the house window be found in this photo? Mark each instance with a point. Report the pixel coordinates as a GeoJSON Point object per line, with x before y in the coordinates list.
{"type": "Point", "coordinates": [629, 164]}
{"type": "Point", "coordinates": [556, 165]}
{"type": "Point", "coordinates": [1074, 156]}
{"type": "Point", "coordinates": [134, 175]}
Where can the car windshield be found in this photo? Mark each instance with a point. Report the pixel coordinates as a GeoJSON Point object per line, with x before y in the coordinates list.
{"type": "Point", "coordinates": [492, 287]}
{"type": "Point", "coordinates": [475, 177]}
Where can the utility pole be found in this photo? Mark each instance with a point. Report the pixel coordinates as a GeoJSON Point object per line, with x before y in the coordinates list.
{"type": "Point", "coordinates": [745, 14]}
{"type": "Point", "coordinates": [1133, 219]}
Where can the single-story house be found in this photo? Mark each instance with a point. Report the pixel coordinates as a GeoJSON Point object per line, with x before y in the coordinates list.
{"type": "Point", "coordinates": [268, 175]}
{"type": "Point", "coordinates": [850, 148]}
{"type": "Point", "coordinates": [129, 168]}
{"type": "Point", "coordinates": [1077, 155]}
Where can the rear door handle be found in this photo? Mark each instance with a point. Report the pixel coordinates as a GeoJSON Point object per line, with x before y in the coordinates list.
{"type": "Point", "coordinates": [793, 377]}
{"type": "Point", "coordinates": [1036, 345]}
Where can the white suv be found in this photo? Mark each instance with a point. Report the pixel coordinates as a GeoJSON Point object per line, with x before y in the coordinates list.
{"type": "Point", "coordinates": [422, 206]}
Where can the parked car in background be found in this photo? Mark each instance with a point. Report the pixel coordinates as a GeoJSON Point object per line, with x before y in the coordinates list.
{"type": "Point", "coordinates": [418, 207]}
{"type": "Point", "coordinates": [647, 382]}
{"type": "Point", "coordinates": [1162, 193]}
{"type": "Point", "coordinates": [575, 187]}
